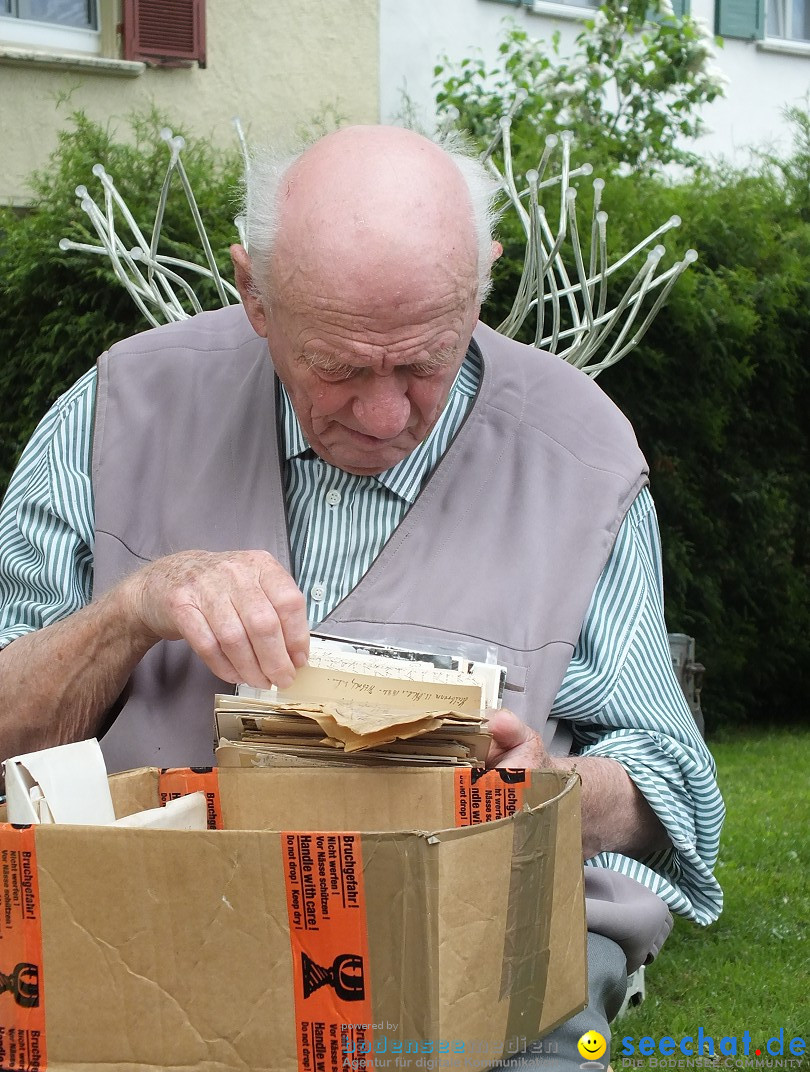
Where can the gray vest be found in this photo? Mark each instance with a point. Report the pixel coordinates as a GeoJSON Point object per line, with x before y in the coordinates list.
{"type": "Point", "coordinates": [503, 546]}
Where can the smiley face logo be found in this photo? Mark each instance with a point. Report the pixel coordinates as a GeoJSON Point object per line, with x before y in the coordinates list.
{"type": "Point", "coordinates": [592, 1045]}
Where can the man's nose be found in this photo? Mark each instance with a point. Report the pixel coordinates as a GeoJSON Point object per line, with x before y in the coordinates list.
{"type": "Point", "coordinates": [381, 406]}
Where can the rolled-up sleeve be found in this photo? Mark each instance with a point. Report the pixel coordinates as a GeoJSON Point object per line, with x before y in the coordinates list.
{"type": "Point", "coordinates": [46, 520]}
{"type": "Point", "coordinates": [622, 700]}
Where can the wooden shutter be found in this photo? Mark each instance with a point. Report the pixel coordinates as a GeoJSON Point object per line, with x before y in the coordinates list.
{"type": "Point", "coordinates": [168, 33]}
{"type": "Point", "coordinates": [741, 18]}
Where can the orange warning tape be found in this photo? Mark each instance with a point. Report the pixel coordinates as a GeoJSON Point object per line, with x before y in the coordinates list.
{"type": "Point", "coordinates": [326, 906]}
{"type": "Point", "coordinates": [176, 782]}
{"type": "Point", "coordinates": [485, 795]}
{"type": "Point", "coordinates": [22, 1000]}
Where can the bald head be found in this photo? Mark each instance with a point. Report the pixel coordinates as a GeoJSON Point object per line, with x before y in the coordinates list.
{"type": "Point", "coordinates": [368, 200]}
{"type": "Point", "coordinates": [363, 275]}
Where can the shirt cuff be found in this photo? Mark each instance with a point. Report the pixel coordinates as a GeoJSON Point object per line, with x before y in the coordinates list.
{"type": "Point", "coordinates": [679, 785]}
{"type": "Point", "coordinates": [14, 633]}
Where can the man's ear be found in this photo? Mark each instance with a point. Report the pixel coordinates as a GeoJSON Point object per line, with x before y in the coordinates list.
{"type": "Point", "coordinates": [496, 251]}
{"type": "Point", "coordinates": [243, 277]}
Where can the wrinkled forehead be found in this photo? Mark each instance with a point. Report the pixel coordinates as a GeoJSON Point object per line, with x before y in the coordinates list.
{"type": "Point", "coordinates": [372, 287]}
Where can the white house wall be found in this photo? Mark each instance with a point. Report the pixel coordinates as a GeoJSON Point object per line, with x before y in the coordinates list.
{"type": "Point", "coordinates": [414, 34]}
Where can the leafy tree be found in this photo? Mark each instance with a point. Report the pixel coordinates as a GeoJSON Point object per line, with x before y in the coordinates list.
{"type": "Point", "coordinates": [632, 90]}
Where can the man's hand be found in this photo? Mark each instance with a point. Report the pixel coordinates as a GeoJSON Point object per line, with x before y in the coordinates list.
{"type": "Point", "coordinates": [615, 815]}
{"type": "Point", "coordinates": [514, 744]}
{"type": "Point", "coordinates": [240, 611]}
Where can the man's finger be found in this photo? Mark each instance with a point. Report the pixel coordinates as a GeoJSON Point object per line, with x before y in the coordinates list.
{"type": "Point", "coordinates": [508, 731]}
{"type": "Point", "coordinates": [263, 631]}
{"type": "Point", "coordinates": [514, 744]}
{"type": "Point", "coordinates": [229, 635]}
{"type": "Point", "coordinates": [197, 633]}
{"type": "Point", "coordinates": [291, 607]}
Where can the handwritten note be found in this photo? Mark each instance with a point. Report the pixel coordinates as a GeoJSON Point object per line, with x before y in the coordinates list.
{"type": "Point", "coordinates": [396, 694]}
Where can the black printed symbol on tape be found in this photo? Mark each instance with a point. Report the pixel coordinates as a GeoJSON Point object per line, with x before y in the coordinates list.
{"type": "Point", "coordinates": [508, 775]}
{"type": "Point", "coordinates": [346, 976]}
{"type": "Point", "coordinates": [23, 983]}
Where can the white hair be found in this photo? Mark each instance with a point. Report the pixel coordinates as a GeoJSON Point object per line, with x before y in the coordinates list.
{"type": "Point", "coordinates": [483, 190]}
{"type": "Point", "coordinates": [265, 172]}
{"type": "Point", "coordinates": [259, 215]}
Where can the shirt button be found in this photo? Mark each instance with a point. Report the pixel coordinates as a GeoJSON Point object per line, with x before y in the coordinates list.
{"type": "Point", "coordinates": [333, 497]}
{"type": "Point", "coordinates": [317, 592]}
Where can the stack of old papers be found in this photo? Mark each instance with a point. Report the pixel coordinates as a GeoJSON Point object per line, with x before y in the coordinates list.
{"type": "Point", "coordinates": [362, 704]}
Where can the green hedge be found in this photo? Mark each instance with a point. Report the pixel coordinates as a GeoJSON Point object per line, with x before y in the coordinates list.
{"type": "Point", "coordinates": [59, 311]}
{"type": "Point", "coordinates": [718, 390]}
{"type": "Point", "coordinates": [719, 396]}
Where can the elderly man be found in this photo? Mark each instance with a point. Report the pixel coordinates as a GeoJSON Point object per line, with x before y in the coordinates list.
{"type": "Point", "coordinates": [391, 467]}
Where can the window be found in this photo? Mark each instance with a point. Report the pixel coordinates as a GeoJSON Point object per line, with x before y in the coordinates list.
{"type": "Point", "coordinates": [741, 18]}
{"type": "Point", "coordinates": [78, 13]}
{"type": "Point", "coordinates": [777, 21]}
{"type": "Point", "coordinates": [61, 24]}
{"type": "Point", "coordinates": [788, 19]}
{"type": "Point", "coordinates": [541, 7]}
{"type": "Point", "coordinates": [169, 33]}
{"type": "Point", "coordinates": [531, 4]}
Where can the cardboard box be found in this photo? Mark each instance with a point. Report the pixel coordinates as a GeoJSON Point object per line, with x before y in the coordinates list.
{"type": "Point", "coordinates": [400, 939]}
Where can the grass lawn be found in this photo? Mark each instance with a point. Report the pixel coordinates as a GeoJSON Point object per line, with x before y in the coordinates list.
{"type": "Point", "coordinates": [750, 970]}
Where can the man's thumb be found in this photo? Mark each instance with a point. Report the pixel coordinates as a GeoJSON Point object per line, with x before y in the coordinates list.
{"type": "Point", "coordinates": [507, 730]}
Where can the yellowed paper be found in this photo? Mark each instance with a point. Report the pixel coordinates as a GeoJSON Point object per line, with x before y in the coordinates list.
{"type": "Point", "coordinates": [338, 686]}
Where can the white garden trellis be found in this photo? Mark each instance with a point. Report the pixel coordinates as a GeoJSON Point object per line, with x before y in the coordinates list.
{"type": "Point", "coordinates": [152, 279]}
{"type": "Point", "coordinates": [572, 309]}
{"type": "Point", "coordinates": [597, 336]}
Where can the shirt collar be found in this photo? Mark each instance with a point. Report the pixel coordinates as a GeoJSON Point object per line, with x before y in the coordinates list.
{"type": "Point", "coordinates": [295, 443]}
{"type": "Point", "coordinates": [404, 479]}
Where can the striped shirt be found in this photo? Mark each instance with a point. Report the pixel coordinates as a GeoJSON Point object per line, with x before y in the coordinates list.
{"type": "Point", "coordinates": [619, 695]}
{"type": "Point", "coordinates": [340, 521]}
